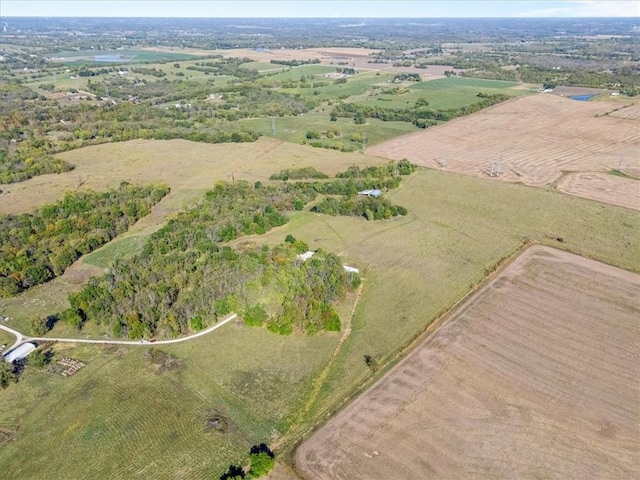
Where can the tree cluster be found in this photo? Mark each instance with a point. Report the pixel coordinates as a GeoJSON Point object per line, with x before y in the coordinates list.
{"type": "Point", "coordinates": [261, 462]}
{"type": "Point", "coordinates": [36, 247]}
{"type": "Point", "coordinates": [186, 276]}
{"type": "Point", "coordinates": [295, 63]}
{"type": "Point", "coordinates": [391, 169]}
{"type": "Point", "coordinates": [361, 206]}
{"type": "Point", "coordinates": [298, 174]}
{"type": "Point", "coordinates": [407, 77]}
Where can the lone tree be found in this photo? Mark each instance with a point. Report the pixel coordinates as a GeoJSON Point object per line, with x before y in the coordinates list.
{"type": "Point", "coordinates": [7, 374]}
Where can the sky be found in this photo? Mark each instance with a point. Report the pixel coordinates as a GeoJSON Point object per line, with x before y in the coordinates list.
{"type": "Point", "coordinates": [318, 8]}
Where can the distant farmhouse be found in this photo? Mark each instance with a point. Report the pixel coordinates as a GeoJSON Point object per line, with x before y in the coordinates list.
{"type": "Point", "coordinates": [308, 254]}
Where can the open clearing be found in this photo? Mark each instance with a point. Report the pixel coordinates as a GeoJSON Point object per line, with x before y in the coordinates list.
{"type": "Point", "coordinates": [189, 168]}
{"type": "Point", "coordinates": [533, 377]}
{"type": "Point", "coordinates": [537, 138]}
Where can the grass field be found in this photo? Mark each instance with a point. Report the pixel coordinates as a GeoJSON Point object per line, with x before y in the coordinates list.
{"type": "Point", "coordinates": [119, 418]}
{"type": "Point", "coordinates": [264, 66]}
{"type": "Point", "coordinates": [457, 230]}
{"type": "Point", "coordinates": [356, 85]}
{"type": "Point", "coordinates": [442, 93]}
{"type": "Point", "coordinates": [6, 339]}
{"type": "Point", "coordinates": [294, 129]}
{"type": "Point", "coordinates": [311, 72]}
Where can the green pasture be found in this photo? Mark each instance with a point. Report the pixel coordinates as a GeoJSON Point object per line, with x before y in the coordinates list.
{"type": "Point", "coordinates": [312, 73]}
{"type": "Point", "coordinates": [443, 93]}
{"type": "Point", "coordinates": [356, 85]}
{"type": "Point", "coordinates": [6, 338]}
{"type": "Point", "coordinates": [294, 129]}
{"type": "Point", "coordinates": [264, 66]}
{"type": "Point", "coordinates": [457, 230]}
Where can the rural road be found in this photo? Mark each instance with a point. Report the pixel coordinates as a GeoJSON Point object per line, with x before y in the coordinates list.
{"type": "Point", "coordinates": [19, 337]}
{"type": "Point", "coordinates": [22, 338]}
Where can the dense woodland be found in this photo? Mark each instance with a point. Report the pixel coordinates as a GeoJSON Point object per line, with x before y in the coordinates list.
{"type": "Point", "coordinates": [36, 247]}
{"type": "Point", "coordinates": [188, 274]}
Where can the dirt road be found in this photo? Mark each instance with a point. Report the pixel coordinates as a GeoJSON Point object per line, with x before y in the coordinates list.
{"type": "Point", "coordinates": [20, 338]}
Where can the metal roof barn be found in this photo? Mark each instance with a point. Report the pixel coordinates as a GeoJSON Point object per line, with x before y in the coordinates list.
{"type": "Point", "coordinates": [20, 352]}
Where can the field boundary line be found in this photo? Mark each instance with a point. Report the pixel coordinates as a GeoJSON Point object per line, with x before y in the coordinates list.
{"type": "Point", "coordinates": [318, 382]}
{"type": "Point", "coordinates": [332, 410]}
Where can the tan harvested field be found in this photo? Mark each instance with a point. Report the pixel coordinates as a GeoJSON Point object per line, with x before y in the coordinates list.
{"type": "Point", "coordinates": [631, 112]}
{"type": "Point", "coordinates": [537, 137]}
{"type": "Point", "coordinates": [535, 376]}
{"type": "Point", "coordinates": [356, 57]}
{"type": "Point", "coordinates": [603, 187]}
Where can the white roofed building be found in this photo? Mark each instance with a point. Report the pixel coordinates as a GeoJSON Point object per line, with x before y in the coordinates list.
{"type": "Point", "coordinates": [20, 352]}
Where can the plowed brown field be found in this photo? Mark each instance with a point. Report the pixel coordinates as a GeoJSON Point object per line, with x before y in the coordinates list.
{"type": "Point", "coordinates": [535, 138]}
{"type": "Point", "coordinates": [536, 376]}
{"type": "Point", "coordinates": [603, 187]}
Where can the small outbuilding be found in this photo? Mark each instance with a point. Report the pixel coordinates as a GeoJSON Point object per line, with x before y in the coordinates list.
{"type": "Point", "coordinates": [370, 193]}
{"type": "Point", "coordinates": [349, 269]}
{"type": "Point", "coordinates": [305, 256]}
{"type": "Point", "coordinates": [20, 352]}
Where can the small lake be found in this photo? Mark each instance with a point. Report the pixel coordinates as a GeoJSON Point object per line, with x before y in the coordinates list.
{"type": "Point", "coordinates": [110, 58]}
{"type": "Point", "coordinates": [583, 98]}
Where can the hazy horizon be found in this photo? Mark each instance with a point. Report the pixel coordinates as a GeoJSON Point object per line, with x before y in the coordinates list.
{"type": "Point", "coordinates": [352, 9]}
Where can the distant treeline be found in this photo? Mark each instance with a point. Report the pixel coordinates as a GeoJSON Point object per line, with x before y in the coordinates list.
{"type": "Point", "coordinates": [36, 247]}
{"type": "Point", "coordinates": [296, 63]}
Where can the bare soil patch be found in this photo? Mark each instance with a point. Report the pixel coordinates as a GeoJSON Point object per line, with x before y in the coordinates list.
{"type": "Point", "coordinates": [632, 112]}
{"type": "Point", "coordinates": [603, 187]}
{"type": "Point", "coordinates": [535, 138]}
{"type": "Point", "coordinates": [533, 377]}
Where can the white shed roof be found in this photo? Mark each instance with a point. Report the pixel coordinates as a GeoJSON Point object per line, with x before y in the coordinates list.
{"type": "Point", "coordinates": [306, 255]}
{"type": "Point", "coordinates": [18, 353]}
